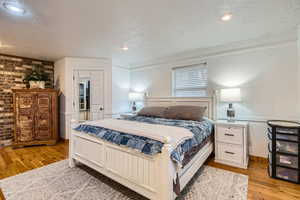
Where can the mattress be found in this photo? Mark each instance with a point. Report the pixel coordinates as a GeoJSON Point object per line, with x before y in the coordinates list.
{"type": "Point", "coordinates": [202, 132]}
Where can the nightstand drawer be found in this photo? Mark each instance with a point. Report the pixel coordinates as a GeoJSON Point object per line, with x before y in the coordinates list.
{"type": "Point", "coordinates": [230, 134]}
{"type": "Point", "coordinates": [230, 153]}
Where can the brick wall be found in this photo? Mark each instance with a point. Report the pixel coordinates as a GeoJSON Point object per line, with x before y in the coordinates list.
{"type": "Point", "coordinates": [12, 72]}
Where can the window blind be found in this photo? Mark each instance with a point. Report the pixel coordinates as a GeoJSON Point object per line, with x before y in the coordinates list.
{"type": "Point", "coordinates": [191, 81]}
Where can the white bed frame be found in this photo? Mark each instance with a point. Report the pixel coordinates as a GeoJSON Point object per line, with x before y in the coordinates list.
{"type": "Point", "coordinates": [150, 176]}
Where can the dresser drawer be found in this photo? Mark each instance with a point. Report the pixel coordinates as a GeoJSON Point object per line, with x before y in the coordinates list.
{"type": "Point", "coordinates": [228, 134]}
{"type": "Point", "coordinates": [230, 153]}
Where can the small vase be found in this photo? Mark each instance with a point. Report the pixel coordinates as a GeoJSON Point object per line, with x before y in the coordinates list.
{"type": "Point", "coordinates": [42, 84]}
{"type": "Point", "coordinates": [37, 84]}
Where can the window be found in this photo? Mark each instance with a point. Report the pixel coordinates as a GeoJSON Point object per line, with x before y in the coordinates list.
{"type": "Point", "coordinates": [190, 81]}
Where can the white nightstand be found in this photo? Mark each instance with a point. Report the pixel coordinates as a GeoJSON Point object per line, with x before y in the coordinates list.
{"type": "Point", "coordinates": [123, 115]}
{"type": "Point", "coordinates": [231, 143]}
{"type": "Point", "coordinates": [128, 114]}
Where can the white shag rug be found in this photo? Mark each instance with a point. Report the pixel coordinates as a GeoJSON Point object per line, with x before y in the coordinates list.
{"type": "Point", "coordinates": [59, 182]}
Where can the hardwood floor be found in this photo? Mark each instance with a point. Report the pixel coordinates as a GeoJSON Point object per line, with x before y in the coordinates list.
{"type": "Point", "coordinates": [261, 187]}
{"type": "Point", "coordinates": [19, 160]}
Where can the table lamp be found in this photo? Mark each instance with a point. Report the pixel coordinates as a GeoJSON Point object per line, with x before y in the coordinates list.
{"type": "Point", "coordinates": [230, 95]}
{"type": "Point", "coordinates": [134, 97]}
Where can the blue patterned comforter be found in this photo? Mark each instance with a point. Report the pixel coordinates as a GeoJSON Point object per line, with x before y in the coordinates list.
{"type": "Point", "coordinates": [201, 131]}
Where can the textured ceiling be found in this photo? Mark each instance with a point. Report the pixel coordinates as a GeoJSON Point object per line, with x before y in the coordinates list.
{"type": "Point", "coordinates": [53, 29]}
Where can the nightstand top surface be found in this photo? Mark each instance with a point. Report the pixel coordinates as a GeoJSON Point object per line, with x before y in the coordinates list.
{"type": "Point", "coordinates": [235, 123]}
{"type": "Point", "coordinates": [129, 114]}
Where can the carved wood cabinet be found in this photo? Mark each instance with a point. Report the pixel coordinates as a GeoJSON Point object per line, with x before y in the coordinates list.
{"type": "Point", "coordinates": [36, 116]}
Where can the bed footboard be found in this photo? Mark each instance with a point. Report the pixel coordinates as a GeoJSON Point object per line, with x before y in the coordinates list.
{"type": "Point", "coordinates": [150, 176]}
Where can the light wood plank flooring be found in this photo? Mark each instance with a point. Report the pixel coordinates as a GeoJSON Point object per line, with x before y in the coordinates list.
{"type": "Point", "coordinates": [261, 187]}
{"type": "Point", "coordinates": [19, 160]}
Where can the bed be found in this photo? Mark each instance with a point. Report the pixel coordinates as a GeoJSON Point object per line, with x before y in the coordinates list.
{"type": "Point", "coordinates": [153, 176]}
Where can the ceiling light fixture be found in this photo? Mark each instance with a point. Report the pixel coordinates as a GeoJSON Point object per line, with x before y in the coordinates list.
{"type": "Point", "coordinates": [14, 8]}
{"type": "Point", "coordinates": [226, 17]}
{"type": "Point", "coordinates": [125, 48]}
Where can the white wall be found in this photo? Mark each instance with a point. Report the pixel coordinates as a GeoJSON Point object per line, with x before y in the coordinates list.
{"type": "Point", "coordinates": [120, 90]}
{"type": "Point", "coordinates": [60, 83]}
{"type": "Point", "coordinates": [268, 78]}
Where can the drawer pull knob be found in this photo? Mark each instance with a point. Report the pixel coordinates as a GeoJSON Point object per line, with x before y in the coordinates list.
{"type": "Point", "coordinates": [228, 152]}
{"type": "Point", "coordinates": [229, 134]}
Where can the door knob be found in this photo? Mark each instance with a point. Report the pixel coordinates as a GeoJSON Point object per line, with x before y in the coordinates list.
{"type": "Point", "coordinates": [101, 108]}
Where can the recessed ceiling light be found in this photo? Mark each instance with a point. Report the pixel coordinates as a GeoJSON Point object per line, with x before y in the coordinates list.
{"type": "Point", "coordinates": [14, 8]}
{"type": "Point", "coordinates": [226, 17]}
{"type": "Point", "coordinates": [125, 48]}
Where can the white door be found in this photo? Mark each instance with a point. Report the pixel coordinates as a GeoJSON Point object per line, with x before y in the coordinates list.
{"type": "Point", "coordinates": [97, 95]}
{"type": "Point", "coordinates": [90, 106]}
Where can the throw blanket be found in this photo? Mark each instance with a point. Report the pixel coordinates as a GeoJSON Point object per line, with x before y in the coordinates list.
{"type": "Point", "coordinates": [165, 134]}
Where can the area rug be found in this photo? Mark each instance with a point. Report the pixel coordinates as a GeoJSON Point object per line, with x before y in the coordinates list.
{"type": "Point", "coordinates": [59, 182]}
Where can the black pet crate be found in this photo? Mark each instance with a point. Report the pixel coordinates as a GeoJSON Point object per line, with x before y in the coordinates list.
{"type": "Point", "coordinates": [284, 146]}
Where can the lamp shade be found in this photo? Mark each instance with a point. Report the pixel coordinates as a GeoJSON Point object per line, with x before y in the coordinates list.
{"type": "Point", "coordinates": [231, 95]}
{"type": "Point", "coordinates": [136, 96]}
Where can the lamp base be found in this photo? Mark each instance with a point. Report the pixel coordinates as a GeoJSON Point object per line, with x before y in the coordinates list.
{"type": "Point", "coordinates": [134, 107]}
{"type": "Point", "coordinates": [230, 113]}
{"type": "Point", "coordinates": [231, 120]}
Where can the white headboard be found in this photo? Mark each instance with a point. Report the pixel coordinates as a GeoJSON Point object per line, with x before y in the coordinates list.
{"type": "Point", "coordinates": [209, 102]}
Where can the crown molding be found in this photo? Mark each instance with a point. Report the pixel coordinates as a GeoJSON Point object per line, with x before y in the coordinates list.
{"type": "Point", "coordinates": [76, 58]}
{"type": "Point", "coordinates": [199, 55]}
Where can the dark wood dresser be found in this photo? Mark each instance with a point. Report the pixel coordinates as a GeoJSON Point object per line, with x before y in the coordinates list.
{"type": "Point", "coordinates": [36, 116]}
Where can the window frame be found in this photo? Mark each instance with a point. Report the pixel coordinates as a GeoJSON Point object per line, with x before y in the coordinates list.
{"type": "Point", "coordinates": [200, 65]}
